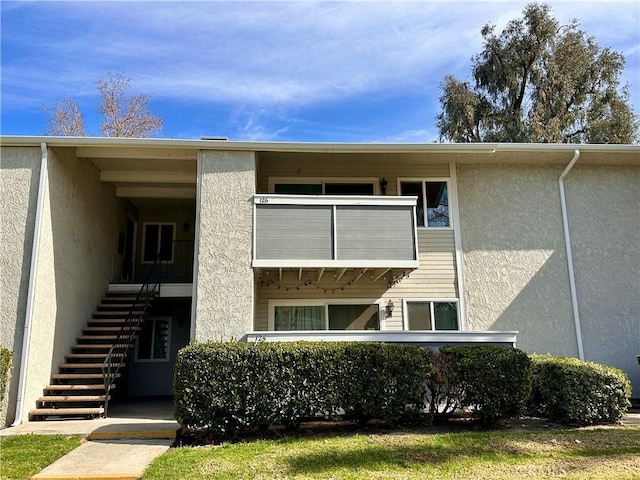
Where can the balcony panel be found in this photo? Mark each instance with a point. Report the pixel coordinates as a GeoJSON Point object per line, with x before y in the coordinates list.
{"type": "Point", "coordinates": [374, 233]}
{"type": "Point", "coordinates": [299, 230]}
{"type": "Point", "coordinates": [326, 231]}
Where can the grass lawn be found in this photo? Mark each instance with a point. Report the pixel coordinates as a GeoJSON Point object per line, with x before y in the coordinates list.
{"type": "Point", "coordinates": [602, 453]}
{"type": "Point", "coordinates": [22, 456]}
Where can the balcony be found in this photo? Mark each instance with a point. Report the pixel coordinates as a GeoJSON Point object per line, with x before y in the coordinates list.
{"type": "Point", "coordinates": [323, 231]}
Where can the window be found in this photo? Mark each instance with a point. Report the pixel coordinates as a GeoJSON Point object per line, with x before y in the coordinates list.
{"type": "Point", "coordinates": [318, 315]}
{"type": "Point", "coordinates": [435, 195]}
{"type": "Point", "coordinates": [431, 315]}
{"type": "Point", "coordinates": [157, 239]}
{"type": "Point", "coordinates": [318, 186]}
{"type": "Point", "coordinates": [153, 342]}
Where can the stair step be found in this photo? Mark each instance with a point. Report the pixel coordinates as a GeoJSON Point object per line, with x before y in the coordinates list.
{"type": "Point", "coordinates": [121, 306]}
{"type": "Point", "coordinates": [78, 366]}
{"type": "Point", "coordinates": [110, 329]}
{"type": "Point", "coordinates": [72, 398]}
{"type": "Point", "coordinates": [97, 337]}
{"type": "Point", "coordinates": [66, 412]}
{"type": "Point", "coordinates": [123, 313]}
{"type": "Point", "coordinates": [119, 297]}
{"type": "Point", "coordinates": [91, 356]}
{"type": "Point", "coordinates": [105, 321]}
{"type": "Point", "coordinates": [77, 388]}
{"type": "Point", "coordinates": [81, 376]}
{"type": "Point", "coordinates": [96, 346]}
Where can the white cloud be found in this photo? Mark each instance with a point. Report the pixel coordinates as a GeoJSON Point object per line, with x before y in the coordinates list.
{"type": "Point", "coordinates": [267, 53]}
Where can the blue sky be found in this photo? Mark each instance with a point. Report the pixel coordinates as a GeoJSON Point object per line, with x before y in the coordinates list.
{"type": "Point", "coordinates": [269, 71]}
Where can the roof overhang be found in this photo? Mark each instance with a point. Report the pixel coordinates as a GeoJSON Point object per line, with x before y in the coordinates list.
{"type": "Point", "coordinates": [153, 150]}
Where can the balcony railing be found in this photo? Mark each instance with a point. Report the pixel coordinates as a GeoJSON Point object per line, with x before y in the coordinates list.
{"type": "Point", "coordinates": [177, 267]}
{"type": "Point", "coordinates": [318, 231]}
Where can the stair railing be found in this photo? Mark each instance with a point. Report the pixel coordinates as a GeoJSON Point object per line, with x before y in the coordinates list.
{"type": "Point", "coordinates": [131, 327]}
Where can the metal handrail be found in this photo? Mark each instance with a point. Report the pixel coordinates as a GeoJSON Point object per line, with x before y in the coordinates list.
{"type": "Point", "coordinates": [149, 290]}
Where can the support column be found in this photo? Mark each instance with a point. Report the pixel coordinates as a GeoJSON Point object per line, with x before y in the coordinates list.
{"type": "Point", "coordinates": [223, 289]}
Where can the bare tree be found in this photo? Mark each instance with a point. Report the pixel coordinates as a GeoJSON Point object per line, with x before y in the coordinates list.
{"type": "Point", "coordinates": [123, 115]}
{"type": "Point", "coordinates": [65, 119]}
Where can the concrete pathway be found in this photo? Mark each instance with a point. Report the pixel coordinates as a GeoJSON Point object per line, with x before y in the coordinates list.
{"type": "Point", "coordinates": [120, 447]}
{"type": "Point", "coordinates": [106, 459]}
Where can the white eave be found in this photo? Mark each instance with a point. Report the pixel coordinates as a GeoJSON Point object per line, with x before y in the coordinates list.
{"type": "Point", "coordinates": [459, 152]}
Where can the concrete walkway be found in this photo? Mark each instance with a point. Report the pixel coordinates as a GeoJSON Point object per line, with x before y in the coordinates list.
{"type": "Point", "coordinates": [119, 447]}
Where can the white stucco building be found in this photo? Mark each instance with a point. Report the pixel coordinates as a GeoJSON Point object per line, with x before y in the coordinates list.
{"type": "Point", "coordinates": [537, 245]}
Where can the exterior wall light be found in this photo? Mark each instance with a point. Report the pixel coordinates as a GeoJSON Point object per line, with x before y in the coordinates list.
{"type": "Point", "coordinates": [383, 186]}
{"type": "Point", "coordinates": [388, 309]}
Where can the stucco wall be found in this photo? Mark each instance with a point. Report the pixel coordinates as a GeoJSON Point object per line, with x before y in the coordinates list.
{"type": "Point", "coordinates": [74, 264]}
{"type": "Point", "coordinates": [514, 260]}
{"type": "Point", "coordinates": [515, 266]}
{"type": "Point", "coordinates": [224, 295]}
{"type": "Point", "coordinates": [19, 178]}
{"type": "Point", "coordinates": [603, 206]}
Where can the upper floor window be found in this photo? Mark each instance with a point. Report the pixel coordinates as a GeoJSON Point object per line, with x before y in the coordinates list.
{"type": "Point", "coordinates": [318, 186]}
{"type": "Point", "coordinates": [157, 239]}
{"type": "Point", "coordinates": [433, 201]}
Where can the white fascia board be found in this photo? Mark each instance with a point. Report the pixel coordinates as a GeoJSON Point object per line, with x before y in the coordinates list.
{"type": "Point", "coordinates": [279, 199]}
{"type": "Point", "coordinates": [292, 263]}
{"type": "Point", "coordinates": [303, 147]}
{"type": "Point", "coordinates": [324, 147]}
{"type": "Point", "coordinates": [385, 336]}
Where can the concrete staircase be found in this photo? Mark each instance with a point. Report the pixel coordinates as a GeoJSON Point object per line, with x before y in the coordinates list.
{"type": "Point", "coordinates": [78, 389]}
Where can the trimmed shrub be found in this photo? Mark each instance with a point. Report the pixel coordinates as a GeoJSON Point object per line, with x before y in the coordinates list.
{"type": "Point", "coordinates": [6, 359]}
{"type": "Point", "coordinates": [444, 391]}
{"type": "Point", "coordinates": [495, 381]}
{"type": "Point", "coordinates": [230, 387]}
{"type": "Point", "coordinates": [383, 381]}
{"type": "Point", "coordinates": [569, 390]}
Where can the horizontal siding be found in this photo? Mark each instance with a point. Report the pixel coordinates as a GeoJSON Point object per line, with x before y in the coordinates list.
{"type": "Point", "coordinates": [388, 166]}
{"type": "Point", "coordinates": [435, 278]}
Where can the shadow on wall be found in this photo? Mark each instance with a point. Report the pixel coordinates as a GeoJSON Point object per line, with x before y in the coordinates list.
{"type": "Point", "coordinates": [83, 220]}
{"type": "Point", "coordinates": [540, 309]}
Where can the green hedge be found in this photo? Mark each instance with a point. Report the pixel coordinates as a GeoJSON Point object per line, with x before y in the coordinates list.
{"type": "Point", "coordinates": [493, 382]}
{"type": "Point", "coordinates": [444, 391]}
{"type": "Point", "coordinates": [6, 357]}
{"type": "Point", "coordinates": [572, 391]}
{"type": "Point", "coordinates": [231, 387]}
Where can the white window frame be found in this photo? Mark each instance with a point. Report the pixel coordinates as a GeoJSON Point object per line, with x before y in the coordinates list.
{"type": "Point", "coordinates": [322, 302]}
{"type": "Point", "coordinates": [169, 321]}
{"type": "Point", "coordinates": [405, 312]}
{"type": "Point", "coordinates": [423, 182]}
{"type": "Point", "coordinates": [144, 240]}
{"type": "Point", "coordinates": [375, 181]}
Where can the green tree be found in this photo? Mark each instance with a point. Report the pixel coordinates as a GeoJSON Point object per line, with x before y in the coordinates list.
{"type": "Point", "coordinates": [123, 115]}
{"type": "Point", "coordinates": [539, 81]}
